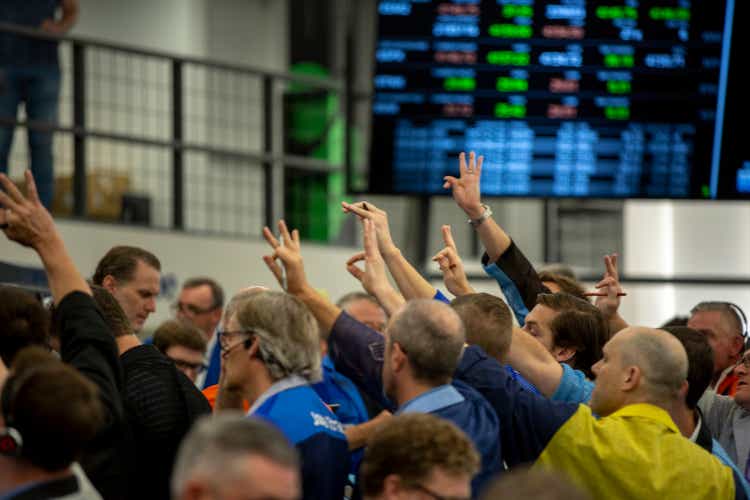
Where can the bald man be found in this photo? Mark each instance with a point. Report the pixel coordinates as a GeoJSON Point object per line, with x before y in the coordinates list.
{"type": "Point", "coordinates": [641, 377]}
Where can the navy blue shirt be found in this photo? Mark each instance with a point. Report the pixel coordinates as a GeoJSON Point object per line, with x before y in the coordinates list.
{"type": "Point", "coordinates": [25, 51]}
{"type": "Point", "coordinates": [357, 352]}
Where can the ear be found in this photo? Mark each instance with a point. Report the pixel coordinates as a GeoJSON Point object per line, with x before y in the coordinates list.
{"type": "Point", "coordinates": [684, 390]}
{"type": "Point", "coordinates": [631, 378]}
{"type": "Point", "coordinates": [564, 354]}
{"type": "Point", "coordinates": [253, 350]}
{"type": "Point", "coordinates": [216, 315]}
{"type": "Point", "coordinates": [392, 486]}
{"type": "Point", "coordinates": [398, 357]}
{"type": "Point", "coordinates": [738, 345]}
{"type": "Point", "coordinates": [109, 283]}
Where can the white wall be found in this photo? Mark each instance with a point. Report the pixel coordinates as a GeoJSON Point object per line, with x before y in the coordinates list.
{"type": "Point", "coordinates": [234, 263]}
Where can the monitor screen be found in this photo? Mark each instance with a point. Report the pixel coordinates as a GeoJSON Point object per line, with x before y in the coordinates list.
{"type": "Point", "coordinates": [564, 98]}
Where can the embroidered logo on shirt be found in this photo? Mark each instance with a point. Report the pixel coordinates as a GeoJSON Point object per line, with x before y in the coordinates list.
{"type": "Point", "coordinates": [329, 423]}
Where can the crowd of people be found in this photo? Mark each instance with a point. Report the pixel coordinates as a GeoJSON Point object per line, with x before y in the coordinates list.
{"type": "Point", "coordinates": [395, 391]}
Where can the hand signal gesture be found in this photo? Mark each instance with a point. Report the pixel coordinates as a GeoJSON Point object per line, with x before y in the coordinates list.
{"type": "Point", "coordinates": [452, 267]}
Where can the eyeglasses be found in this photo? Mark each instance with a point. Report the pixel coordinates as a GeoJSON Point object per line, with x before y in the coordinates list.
{"type": "Point", "coordinates": [182, 364]}
{"type": "Point", "coordinates": [744, 361]}
{"type": "Point", "coordinates": [191, 308]}
{"type": "Point", "coordinates": [434, 495]}
{"type": "Point", "coordinates": [226, 336]}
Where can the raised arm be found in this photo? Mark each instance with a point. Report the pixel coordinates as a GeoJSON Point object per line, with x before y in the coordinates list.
{"type": "Point", "coordinates": [466, 193]}
{"type": "Point", "coordinates": [296, 284]}
{"type": "Point", "coordinates": [609, 305]}
{"type": "Point", "coordinates": [28, 223]}
{"type": "Point", "coordinates": [373, 278]}
{"type": "Point", "coordinates": [411, 284]}
{"type": "Point", "coordinates": [534, 362]}
{"type": "Point", "coordinates": [452, 267]}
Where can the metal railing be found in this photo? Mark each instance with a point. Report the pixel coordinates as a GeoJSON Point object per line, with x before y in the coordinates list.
{"type": "Point", "coordinates": [201, 139]}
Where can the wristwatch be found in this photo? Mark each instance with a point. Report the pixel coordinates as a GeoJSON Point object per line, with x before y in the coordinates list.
{"type": "Point", "coordinates": [485, 215]}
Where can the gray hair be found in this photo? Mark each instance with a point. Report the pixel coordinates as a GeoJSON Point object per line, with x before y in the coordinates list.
{"type": "Point", "coordinates": [728, 312]}
{"type": "Point", "coordinates": [661, 358]}
{"type": "Point", "coordinates": [350, 297]}
{"type": "Point", "coordinates": [432, 335]}
{"type": "Point", "coordinates": [214, 443]}
{"type": "Point", "coordinates": [287, 331]}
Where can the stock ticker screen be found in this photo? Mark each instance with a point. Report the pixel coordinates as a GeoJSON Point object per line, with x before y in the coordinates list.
{"type": "Point", "coordinates": [564, 98]}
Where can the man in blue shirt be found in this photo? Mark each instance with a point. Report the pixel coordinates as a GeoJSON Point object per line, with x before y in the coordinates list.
{"type": "Point", "coordinates": [423, 343]}
{"type": "Point", "coordinates": [270, 355]}
{"type": "Point", "coordinates": [30, 74]}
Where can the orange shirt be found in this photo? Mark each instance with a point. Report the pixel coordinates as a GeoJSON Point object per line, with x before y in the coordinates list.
{"type": "Point", "coordinates": [212, 391]}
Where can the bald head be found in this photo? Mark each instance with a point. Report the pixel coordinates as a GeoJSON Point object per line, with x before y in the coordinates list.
{"type": "Point", "coordinates": [640, 365]}
{"type": "Point", "coordinates": [432, 336]}
{"type": "Point", "coordinates": [661, 358]}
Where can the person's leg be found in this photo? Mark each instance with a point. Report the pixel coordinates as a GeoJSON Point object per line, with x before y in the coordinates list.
{"type": "Point", "coordinates": [10, 97]}
{"type": "Point", "coordinates": [41, 101]}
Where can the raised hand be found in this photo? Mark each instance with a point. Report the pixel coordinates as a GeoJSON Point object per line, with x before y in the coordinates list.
{"type": "Point", "coordinates": [289, 254]}
{"type": "Point", "coordinates": [366, 210]}
{"type": "Point", "coordinates": [374, 278]}
{"type": "Point", "coordinates": [465, 189]}
{"type": "Point", "coordinates": [24, 219]}
{"type": "Point", "coordinates": [452, 267]}
{"type": "Point", "coordinates": [610, 284]}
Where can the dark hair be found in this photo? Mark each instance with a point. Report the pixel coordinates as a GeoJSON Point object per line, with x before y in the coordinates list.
{"type": "Point", "coordinates": [56, 410]}
{"type": "Point", "coordinates": [412, 446]}
{"type": "Point", "coordinates": [700, 361]}
{"type": "Point", "coordinates": [111, 311]}
{"type": "Point", "coordinates": [176, 332]}
{"type": "Point", "coordinates": [675, 321]}
{"type": "Point", "coordinates": [217, 293]}
{"type": "Point", "coordinates": [23, 322]}
{"type": "Point", "coordinates": [565, 302]}
{"type": "Point", "coordinates": [585, 332]}
{"type": "Point", "coordinates": [488, 322]}
{"type": "Point", "coordinates": [566, 284]}
{"type": "Point", "coordinates": [120, 263]}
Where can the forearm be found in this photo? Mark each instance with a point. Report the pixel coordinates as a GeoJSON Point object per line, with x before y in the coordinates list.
{"type": "Point", "coordinates": [323, 309]}
{"type": "Point", "coordinates": [534, 363]}
{"type": "Point", "coordinates": [62, 275]}
{"type": "Point", "coordinates": [359, 435]}
{"type": "Point", "coordinates": [411, 284]}
{"type": "Point", "coordinates": [616, 323]}
{"type": "Point", "coordinates": [69, 15]}
{"type": "Point", "coordinates": [494, 239]}
{"type": "Point", "coordinates": [390, 299]}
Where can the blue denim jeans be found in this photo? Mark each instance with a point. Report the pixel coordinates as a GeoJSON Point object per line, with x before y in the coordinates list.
{"type": "Point", "coordinates": [38, 87]}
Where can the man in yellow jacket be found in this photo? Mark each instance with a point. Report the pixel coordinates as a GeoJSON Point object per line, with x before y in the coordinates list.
{"type": "Point", "coordinates": [634, 450]}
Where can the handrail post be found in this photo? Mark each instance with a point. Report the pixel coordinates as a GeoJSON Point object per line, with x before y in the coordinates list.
{"type": "Point", "coordinates": [178, 174]}
{"type": "Point", "coordinates": [268, 165]}
{"type": "Point", "coordinates": [79, 124]}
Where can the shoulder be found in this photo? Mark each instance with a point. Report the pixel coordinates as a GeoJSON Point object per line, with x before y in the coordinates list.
{"type": "Point", "coordinates": [300, 414]}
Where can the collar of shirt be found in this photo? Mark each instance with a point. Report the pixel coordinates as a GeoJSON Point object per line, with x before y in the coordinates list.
{"type": "Point", "coordinates": [433, 400]}
{"type": "Point", "coordinates": [328, 363]}
{"type": "Point", "coordinates": [698, 424]}
{"type": "Point", "coordinates": [648, 411]}
{"type": "Point", "coordinates": [282, 385]}
{"type": "Point", "coordinates": [723, 375]}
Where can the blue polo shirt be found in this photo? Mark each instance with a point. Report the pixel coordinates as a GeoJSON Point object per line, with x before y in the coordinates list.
{"type": "Point", "coordinates": [293, 406]}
